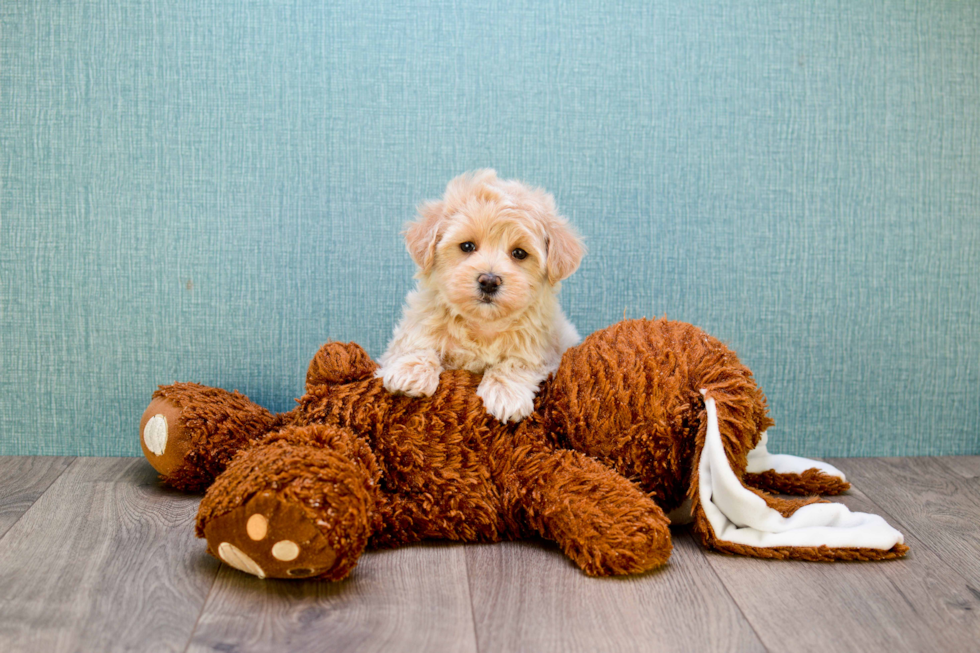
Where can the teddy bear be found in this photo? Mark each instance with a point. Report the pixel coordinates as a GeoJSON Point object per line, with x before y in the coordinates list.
{"type": "Point", "coordinates": [643, 419]}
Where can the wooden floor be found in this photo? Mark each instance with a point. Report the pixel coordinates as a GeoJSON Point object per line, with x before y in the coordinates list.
{"type": "Point", "coordinates": [95, 555]}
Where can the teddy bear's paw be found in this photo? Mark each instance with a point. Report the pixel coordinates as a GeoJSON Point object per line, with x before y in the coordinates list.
{"type": "Point", "coordinates": [506, 400]}
{"type": "Point", "coordinates": [164, 439]}
{"type": "Point", "coordinates": [415, 375]}
{"type": "Point", "coordinates": [269, 537]}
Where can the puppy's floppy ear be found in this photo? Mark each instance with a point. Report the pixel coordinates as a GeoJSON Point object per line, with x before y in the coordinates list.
{"type": "Point", "coordinates": [565, 250]}
{"type": "Point", "coordinates": [422, 236]}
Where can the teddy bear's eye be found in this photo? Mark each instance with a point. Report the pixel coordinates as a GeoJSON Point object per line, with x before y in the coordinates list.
{"type": "Point", "coordinates": [519, 254]}
{"type": "Point", "coordinates": [468, 246]}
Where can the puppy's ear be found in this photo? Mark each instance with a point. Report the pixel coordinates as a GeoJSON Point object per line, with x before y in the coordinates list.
{"type": "Point", "coordinates": [422, 236]}
{"type": "Point", "coordinates": [565, 250]}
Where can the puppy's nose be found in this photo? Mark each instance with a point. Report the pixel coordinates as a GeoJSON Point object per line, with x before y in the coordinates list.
{"type": "Point", "coordinates": [489, 283]}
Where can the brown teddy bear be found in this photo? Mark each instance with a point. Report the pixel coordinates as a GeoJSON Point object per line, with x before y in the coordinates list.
{"type": "Point", "coordinates": [641, 419]}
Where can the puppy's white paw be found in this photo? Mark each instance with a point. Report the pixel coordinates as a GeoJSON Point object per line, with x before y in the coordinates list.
{"type": "Point", "coordinates": [508, 401]}
{"type": "Point", "coordinates": [415, 375]}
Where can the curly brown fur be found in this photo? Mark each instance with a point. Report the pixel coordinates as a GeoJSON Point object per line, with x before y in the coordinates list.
{"type": "Point", "coordinates": [629, 395]}
{"type": "Point", "coordinates": [326, 471]}
{"type": "Point", "coordinates": [601, 520]}
{"type": "Point", "coordinates": [473, 478]}
{"type": "Point", "coordinates": [614, 442]}
{"type": "Point", "coordinates": [435, 468]}
{"type": "Point", "coordinates": [215, 424]}
{"type": "Point", "coordinates": [336, 363]}
{"type": "Point", "coordinates": [811, 481]}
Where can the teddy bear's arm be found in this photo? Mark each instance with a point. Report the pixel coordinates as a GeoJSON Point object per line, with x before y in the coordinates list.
{"type": "Point", "coordinates": [190, 432]}
{"type": "Point", "coordinates": [603, 522]}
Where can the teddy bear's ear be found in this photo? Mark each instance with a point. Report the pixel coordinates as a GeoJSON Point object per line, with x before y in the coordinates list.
{"type": "Point", "coordinates": [337, 362]}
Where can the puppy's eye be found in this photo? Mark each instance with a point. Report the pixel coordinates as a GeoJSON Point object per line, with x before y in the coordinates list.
{"type": "Point", "coordinates": [468, 246]}
{"type": "Point", "coordinates": [519, 254]}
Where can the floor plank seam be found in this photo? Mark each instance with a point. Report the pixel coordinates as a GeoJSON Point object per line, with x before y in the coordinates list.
{"type": "Point", "coordinates": [878, 508]}
{"type": "Point", "coordinates": [967, 483]}
{"type": "Point", "coordinates": [469, 591]}
{"type": "Point", "coordinates": [707, 560]}
{"type": "Point", "coordinates": [920, 543]}
{"type": "Point", "coordinates": [883, 512]}
{"type": "Point", "coordinates": [910, 603]}
{"type": "Point", "coordinates": [204, 605]}
{"type": "Point", "coordinates": [38, 497]}
{"type": "Point", "coordinates": [905, 528]}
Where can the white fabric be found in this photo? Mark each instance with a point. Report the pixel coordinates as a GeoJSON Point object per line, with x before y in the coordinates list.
{"type": "Point", "coordinates": [740, 516]}
{"type": "Point", "coordinates": [760, 460]}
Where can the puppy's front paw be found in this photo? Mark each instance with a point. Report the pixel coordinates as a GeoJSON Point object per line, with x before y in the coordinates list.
{"type": "Point", "coordinates": [415, 375]}
{"type": "Point", "coordinates": [507, 400]}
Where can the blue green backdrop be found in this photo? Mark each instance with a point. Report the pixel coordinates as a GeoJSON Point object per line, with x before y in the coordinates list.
{"type": "Point", "coordinates": [207, 189]}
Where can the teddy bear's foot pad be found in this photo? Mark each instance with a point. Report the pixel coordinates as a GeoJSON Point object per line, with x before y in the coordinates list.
{"type": "Point", "coordinates": [270, 537]}
{"type": "Point", "coordinates": [164, 441]}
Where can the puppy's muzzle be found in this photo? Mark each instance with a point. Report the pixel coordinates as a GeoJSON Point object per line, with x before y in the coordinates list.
{"type": "Point", "coordinates": [489, 283]}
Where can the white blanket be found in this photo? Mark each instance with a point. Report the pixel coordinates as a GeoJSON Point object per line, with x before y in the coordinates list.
{"type": "Point", "coordinates": [740, 516]}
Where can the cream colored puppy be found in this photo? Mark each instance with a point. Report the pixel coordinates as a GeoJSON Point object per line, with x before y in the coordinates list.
{"type": "Point", "coordinates": [491, 255]}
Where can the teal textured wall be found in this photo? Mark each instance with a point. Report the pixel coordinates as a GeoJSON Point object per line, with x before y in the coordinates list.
{"type": "Point", "coordinates": [207, 189]}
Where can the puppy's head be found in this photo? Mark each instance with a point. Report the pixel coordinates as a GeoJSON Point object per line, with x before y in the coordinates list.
{"type": "Point", "coordinates": [491, 246]}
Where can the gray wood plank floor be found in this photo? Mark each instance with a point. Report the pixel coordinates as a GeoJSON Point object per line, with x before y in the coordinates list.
{"type": "Point", "coordinates": [95, 555]}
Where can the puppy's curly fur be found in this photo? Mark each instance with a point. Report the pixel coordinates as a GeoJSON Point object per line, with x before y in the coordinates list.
{"type": "Point", "coordinates": [491, 256]}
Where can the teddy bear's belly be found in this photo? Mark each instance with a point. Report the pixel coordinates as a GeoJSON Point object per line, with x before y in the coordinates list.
{"type": "Point", "coordinates": [434, 486]}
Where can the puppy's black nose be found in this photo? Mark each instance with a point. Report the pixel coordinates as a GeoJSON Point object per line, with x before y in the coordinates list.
{"type": "Point", "coordinates": [489, 283]}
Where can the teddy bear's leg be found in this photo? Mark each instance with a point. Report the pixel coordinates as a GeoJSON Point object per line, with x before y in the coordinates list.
{"type": "Point", "coordinates": [190, 432]}
{"type": "Point", "coordinates": [733, 518]}
{"type": "Point", "coordinates": [791, 474]}
{"type": "Point", "coordinates": [297, 504]}
{"type": "Point", "coordinates": [603, 522]}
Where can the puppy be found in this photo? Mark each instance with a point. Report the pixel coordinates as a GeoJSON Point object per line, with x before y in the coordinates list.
{"type": "Point", "coordinates": [491, 255]}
